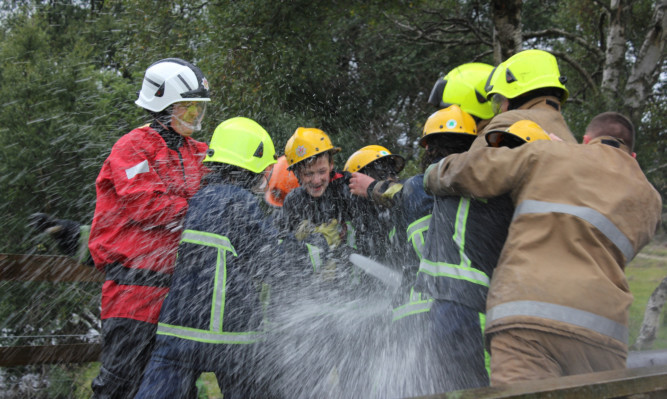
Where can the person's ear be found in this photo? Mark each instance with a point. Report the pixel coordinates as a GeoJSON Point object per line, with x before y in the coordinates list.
{"type": "Point", "coordinates": [587, 139]}
{"type": "Point", "coordinates": [634, 155]}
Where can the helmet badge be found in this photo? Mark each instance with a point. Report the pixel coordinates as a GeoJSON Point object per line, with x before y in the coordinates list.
{"type": "Point", "coordinates": [451, 124]}
{"type": "Point", "coordinates": [300, 151]}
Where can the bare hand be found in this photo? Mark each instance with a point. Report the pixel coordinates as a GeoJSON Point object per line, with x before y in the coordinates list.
{"type": "Point", "coordinates": [359, 183]}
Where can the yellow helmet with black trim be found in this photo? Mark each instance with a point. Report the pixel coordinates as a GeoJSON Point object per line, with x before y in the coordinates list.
{"type": "Point", "coordinates": [371, 153]}
{"type": "Point", "coordinates": [451, 121]}
{"type": "Point", "coordinates": [305, 143]}
{"type": "Point", "coordinates": [523, 131]}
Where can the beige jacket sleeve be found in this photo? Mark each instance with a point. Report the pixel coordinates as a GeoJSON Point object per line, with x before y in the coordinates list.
{"type": "Point", "coordinates": [482, 172]}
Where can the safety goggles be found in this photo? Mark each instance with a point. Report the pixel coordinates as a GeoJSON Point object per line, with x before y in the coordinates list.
{"type": "Point", "coordinates": [189, 113]}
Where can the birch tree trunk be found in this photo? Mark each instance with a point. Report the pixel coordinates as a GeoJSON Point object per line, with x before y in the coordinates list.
{"type": "Point", "coordinates": [614, 58]}
{"type": "Point", "coordinates": [646, 70]}
{"type": "Point", "coordinates": [649, 328]}
{"type": "Point", "coordinates": [507, 38]}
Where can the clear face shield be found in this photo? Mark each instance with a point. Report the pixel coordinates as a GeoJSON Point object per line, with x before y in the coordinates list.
{"type": "Point", "coordinates": [497, 101]}
{"type": "Point", "coordinates": [189, 114]}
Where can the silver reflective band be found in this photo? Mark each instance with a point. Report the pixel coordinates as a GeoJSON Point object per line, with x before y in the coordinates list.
{"type": "Point", "coordinates": [560, 313]}
{"type": "Point", "coordinates": [315, 259]}
{"type": "Point", "coordinates": [208, 336]}
{"type": "Point", "coordinates": [414, 234]}
{"type": "Point", "coordinates": [420, 224]}
{"type": "Point", "coordinates": [604, 225]}
{"type": "Point", "coordinates": [456, 271]}
{"type": "Point", "coordinates": [214, 240]}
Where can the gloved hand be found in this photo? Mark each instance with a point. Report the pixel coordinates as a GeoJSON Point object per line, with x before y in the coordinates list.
{"type": "Point", "coordinates": [65, 232]}
{"type": "Point", "coordinates": [40, 222]}
{"type": "Point", "coordinates": [330, 232]}
{"type": "Point", "coordinates": [304, 229]}
{"type": "Point", "coordinates": [426, 173]}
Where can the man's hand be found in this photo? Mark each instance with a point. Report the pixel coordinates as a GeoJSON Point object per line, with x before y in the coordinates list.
{"type": "Point", "coordinates": [359, 183]}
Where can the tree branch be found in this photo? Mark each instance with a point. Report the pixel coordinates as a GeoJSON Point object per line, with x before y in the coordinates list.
{"type": "Point", "coordinates": [579, 68]}
{"type": "Point", "coordinates": [566, 34]}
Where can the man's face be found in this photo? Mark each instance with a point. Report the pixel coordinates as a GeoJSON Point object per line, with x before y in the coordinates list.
{"type": "Point", "coordinates": [186, 117]}
{"type": "Point", "coordinates": [314, 178]}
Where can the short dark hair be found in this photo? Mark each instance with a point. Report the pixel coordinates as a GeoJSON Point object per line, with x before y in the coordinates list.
{"type": "Point", "coordinates": [612, 124]}
{"type": "Point", "coordinates": [301, 165]}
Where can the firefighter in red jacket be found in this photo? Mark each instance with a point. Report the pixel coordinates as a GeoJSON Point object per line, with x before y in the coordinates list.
{"type": "Point", "coordinates": [142, 194]}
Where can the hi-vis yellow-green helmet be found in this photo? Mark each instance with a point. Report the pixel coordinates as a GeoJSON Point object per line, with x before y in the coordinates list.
{"type": "Point", "coordinates": [465, 87]}
{"type": "Point", "coordinates": [452, 121]}
{"type": "Point", "coordinates": [526, 71]}
{"type": "Point", "coordinates": [523, 131]}
{"type": "Point", "coordinates": [241, 142]}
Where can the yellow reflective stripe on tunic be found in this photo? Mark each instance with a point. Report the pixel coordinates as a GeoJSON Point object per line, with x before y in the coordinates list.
{"type": "Point", "coordinates": [211, 337]}
{"type": "Point", "coordinates": [598, 220]}
{"type": "Point", "coordinates": [215, 334]}
{"type": "Point", "coordinates": [208, 239]}
{"type": "Point", "coordinates": [219, 293]}
{"type": "Point", "coordinates": [564, 314]}
{"type": "Point", "coordinates": [438, 269]}
{"type": "Point", "coordinates": [415, 235]}
{"type": "Point", "coordinates": [315, 259]}
{"type": "Point", "coordinates": [464, 270]}
{"type": "Point", "coordinates": [419, 303]}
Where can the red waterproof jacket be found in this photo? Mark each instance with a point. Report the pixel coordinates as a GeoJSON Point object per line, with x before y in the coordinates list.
{"type": "Point", "coordinates": [142, 194]}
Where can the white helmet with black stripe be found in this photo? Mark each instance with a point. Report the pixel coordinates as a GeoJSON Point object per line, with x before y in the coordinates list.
{"type": "Point", "coordinates": [169, 81]}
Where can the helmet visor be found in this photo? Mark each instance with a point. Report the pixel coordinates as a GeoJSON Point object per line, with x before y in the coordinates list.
{"type": "Point", "coordinates": [497, 101]}
{"type": "Point", "coordinates": [189, 113]}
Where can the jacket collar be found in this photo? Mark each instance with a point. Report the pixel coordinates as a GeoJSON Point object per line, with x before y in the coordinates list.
{"type": "Point", "coordinates": [612, 142]}
{"type": "Point", "coordinates": [550, 102]}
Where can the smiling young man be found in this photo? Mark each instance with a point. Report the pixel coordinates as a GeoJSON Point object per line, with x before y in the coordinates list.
{"type": "Point", "coordinates": [321, 201]}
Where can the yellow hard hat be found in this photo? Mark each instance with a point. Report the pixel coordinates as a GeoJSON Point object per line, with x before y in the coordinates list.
{"type": "Point", "coordinates": [305, 143]}
{"type": "Point", "coordinates": [364, 156]}
{"type": "Point", "coordinates": [526, 71]}
{"type": "Point", "coordinates": [451, 121]}
{"type": "Point", "coordinates": [523, 131]}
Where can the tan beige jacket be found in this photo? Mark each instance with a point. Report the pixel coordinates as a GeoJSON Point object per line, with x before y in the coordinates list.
{"type": "Point", "coordinates": [582, 213]}
{"type": "Point", "coordinates": [539, 110]}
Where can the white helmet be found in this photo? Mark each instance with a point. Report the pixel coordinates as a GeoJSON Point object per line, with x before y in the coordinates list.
{"type": "Point", "coordinates": [169, 81]}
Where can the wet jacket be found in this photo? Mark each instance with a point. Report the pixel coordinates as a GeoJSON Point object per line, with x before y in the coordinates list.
{"type": "Point", "coordinates": [582, 213]}
{"type": "Point", "coordinates": [228, 253]}
{"type": "Point", "coordinates": [142, 194]}
{"type": "Point", "coordinates": [412, 207]}
{"type": "Point", "coordinates": [465, 237]}
{"type": "Point", "coordinates": [334, 203]}
{"type": "Point", "coordinates": [545, 111]}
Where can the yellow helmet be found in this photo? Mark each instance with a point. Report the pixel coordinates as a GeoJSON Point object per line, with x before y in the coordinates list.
{"type": "Point", "coordinates": [523, 131]}
{"type": "Point", "coordinates": [305, 143]}
{"type": "Point", "coordinates": [451, 121]}
{"type": "Point", "coordinates": [371, 153]}
{"type": "Point", "coordinates": [241, 142]}
{"type": "Point", "coordinates": [465, 87]}
{"type": "Point", "coordinates": [526, 71]}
